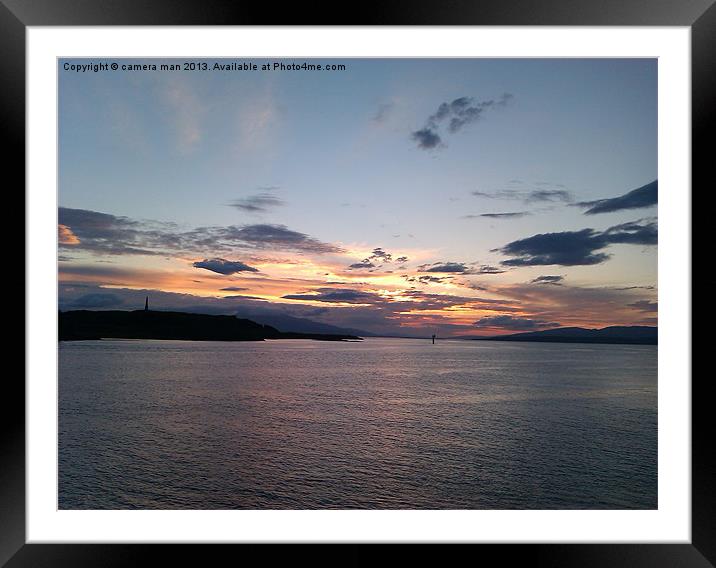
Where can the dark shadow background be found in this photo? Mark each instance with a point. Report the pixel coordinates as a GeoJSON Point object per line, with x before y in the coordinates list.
{"type": "Point", "coordinates": [15, 15]}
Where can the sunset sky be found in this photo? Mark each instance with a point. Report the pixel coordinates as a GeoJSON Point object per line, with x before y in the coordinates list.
{"type": "Point", "coordinates": [397, 196]}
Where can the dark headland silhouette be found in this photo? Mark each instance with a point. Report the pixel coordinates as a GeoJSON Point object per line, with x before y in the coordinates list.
{"type": "Point", "coordinates": [630, 335]}
{"type": "Point", "coordinates": [287, 323]}
{"type": "Point", "coordinates": [149, 324]}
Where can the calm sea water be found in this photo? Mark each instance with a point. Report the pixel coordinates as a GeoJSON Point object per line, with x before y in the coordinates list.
{"type": "Point", "coordinates": [386, 423]}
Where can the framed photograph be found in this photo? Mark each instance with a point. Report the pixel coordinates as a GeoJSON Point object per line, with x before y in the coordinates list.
{"type": "Point", "coordinates": [419, 277]}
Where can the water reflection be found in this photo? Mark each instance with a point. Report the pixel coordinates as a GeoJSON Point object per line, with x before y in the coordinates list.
{"type": "Point", "coordinates": [388, 423]}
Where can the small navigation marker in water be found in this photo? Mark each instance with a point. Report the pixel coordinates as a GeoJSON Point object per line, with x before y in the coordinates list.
{"type": "Point", "coordinates": [146, 305]}
{"type": "Point", "coordinates": [433, 339]}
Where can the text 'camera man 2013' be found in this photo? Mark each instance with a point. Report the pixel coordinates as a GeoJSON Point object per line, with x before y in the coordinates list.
{"type": "Point", "coordinates": [202, 66]}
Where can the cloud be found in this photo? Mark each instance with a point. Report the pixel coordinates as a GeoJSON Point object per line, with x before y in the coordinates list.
{"type": "Point", "coordinates": [426, 138]}
{"type": "Point", "coordinates": [400, 304]}
{"type": "Point", "coordinates": [102, 233]}
{"type": "Point", "coordinates": [65, 236]}
{"type": "Point", "coordinates": [233, 289]}
{"type": "Point", "coordinates": [575, 248]}
{"type": "Point", "coordinates": [356, 316]}
{"type": "Point", "coordinates": [95, 301]}
{"type": "Point", "coordinates": [456, 115]}
{"type": "Point", "coordinates": [69, 298]}
{"type": "Point", "coordinates": [548, 195]}
{"type": "Point", "coordinates": [633, 233]}
{"type": "Point", "coordinates": [380, 254]}
{"type": "Point", "coordinates": [428, 279]}
{"type": "Point", "coordinates": [276, 236]}
{"type": "Point", "coordinates": [259, 203]}
{"type": "Point", "coordinates": [644, 196]}
{"type": "Point", "coordinates": [383, 112]}
{"type": "Point", "coordinates": [459, 268]}
{"type": "Point", "coordinates": [259, 121]}
{"type": "Point", "coordinates": [222, 266]}
{"type": "Point", "coordinates": [513, 323]}
{"type": "Point", "coordinates": [109, 273]}
{"type": "Point", "coordinates": [547, 280]}
{"type": "Point", "coordinates": [486, 269]}
{"type": "Point", "coordinates": [363, 265]}
{"type": "Point", "coordinates": [528, 196]}
{"type": "Point", "coordinates": [92, 224]}
{"type": "Point", "coordinates": [465, 110]}
{"type": "Point", "coordinates": [403, 312]}
{"type": "Point", "coordinates": [645, 306]}
{"type": "Point", "coordinates": [570, 248]}
{"type": "Point", "coordinates": [515, 215]}
{"type": "Point", "coordinates": [186, 113]}
{"type": "Point", "coordinates": [424, 301]}
{"type": "Point", "coordinates": [336, 295]}
{"type": "Point", "coordinates": [588, 306]}
{"type": "Point", "coordinates": [105, 233]}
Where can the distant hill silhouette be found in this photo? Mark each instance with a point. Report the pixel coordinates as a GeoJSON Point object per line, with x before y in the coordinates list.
{"type": "Point", "coordinates": [143, 324]}
{"type": "Point", "coordinates": [634, 335]}
{"type": "Point", "coordinates": [302, 325]}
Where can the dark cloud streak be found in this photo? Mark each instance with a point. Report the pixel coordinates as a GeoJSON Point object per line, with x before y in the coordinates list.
{"type": "Point", "coordinates": [645, 306]}
{"type": "Point", "coordinates": [456, 114]}
{"type": "Point", "coordinates": [259, 203]}
{"type": "Point", "coordinates": [644, 196]}
{"type": "Point", "coordinates": [223, 266]}
{"type": "Point", "coordinates": [576, 248]}
{"type": "Point", "coordinates": [530, 196]}
{"type": "Point", "coordinates": [515, 215]}
{"type": "Point", "coordinates": [102, 233]}
{"type": "Point", "coordinates": [459, 268]}
{"type": "Point", "coordinates": [547, 280]}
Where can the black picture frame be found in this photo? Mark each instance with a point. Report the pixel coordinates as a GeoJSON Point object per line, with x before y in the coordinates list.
{"type": "Point", "coordinates": [699, 15]}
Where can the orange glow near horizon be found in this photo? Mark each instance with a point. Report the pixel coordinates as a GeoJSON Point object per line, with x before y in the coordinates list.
{"type": "Point", "coordinates": [438, 300]}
